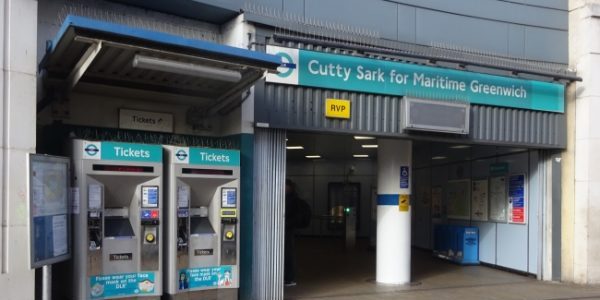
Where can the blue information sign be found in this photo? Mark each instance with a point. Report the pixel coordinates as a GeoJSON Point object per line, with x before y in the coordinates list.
{"type": "Point", "coordinates": [516, 199]}
{"type": "Point", "coordinates": [353, 73]}
{"type": "Point", "coordinates": [127, 284]}
{"type": "Point", "coordinates": [404, 177]}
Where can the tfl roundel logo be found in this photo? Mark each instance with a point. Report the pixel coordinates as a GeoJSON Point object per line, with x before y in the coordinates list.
{"type": "Point", "coordinates": [287, 65]}
{"type": "Point", "coordinates": [181, 155]}
{"type": "Point", "coordinates": [91, 150]}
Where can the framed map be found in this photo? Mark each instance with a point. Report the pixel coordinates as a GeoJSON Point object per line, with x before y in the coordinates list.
{"type": "Point", "coordinates": [457, 199]}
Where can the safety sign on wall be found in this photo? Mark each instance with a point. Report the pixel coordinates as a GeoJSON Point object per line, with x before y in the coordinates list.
{"type": "Point", "coordinates": [404, 203]}
{"type": "Point", "coordinates": [517, 203]}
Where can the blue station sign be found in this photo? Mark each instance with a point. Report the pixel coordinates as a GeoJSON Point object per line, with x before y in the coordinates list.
{"type": "Point", "coordinates": [351, 73]}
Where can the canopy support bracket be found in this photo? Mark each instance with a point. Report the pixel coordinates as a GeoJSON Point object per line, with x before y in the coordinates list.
{"type": "Point", "coordinates": [83, 64]}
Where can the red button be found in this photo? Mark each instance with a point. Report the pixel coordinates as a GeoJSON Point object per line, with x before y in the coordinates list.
{"type": "Point", "coordinates": [154, 214]}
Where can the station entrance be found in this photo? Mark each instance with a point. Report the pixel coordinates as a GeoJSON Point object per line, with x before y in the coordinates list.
{"type": "Point", "coordinates": [460, 187]}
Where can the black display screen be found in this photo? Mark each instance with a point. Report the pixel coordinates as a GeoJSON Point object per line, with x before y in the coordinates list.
{"type": "Point", "coordinates": [206, 171]}
{"type": "Point", "coordinates": [121, 168]}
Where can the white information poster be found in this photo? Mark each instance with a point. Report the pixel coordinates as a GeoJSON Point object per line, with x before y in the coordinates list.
{"type": "Point", "coordinates": [498, 200]}
{"type": "Point", "coordinates": [479, 200]}
{"type": "Point", "coordinates": [75, 200]}
{"type": "Point", "coordinates": [59, 235]}
{"type": "Point", "coordinates": [457, 194]}
{"type": "Point", "coordinates": [183, 196]}
{"type": "Point", "coordinates": [94, 196]}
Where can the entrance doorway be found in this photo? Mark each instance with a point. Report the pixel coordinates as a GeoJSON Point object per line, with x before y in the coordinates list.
{"type": "Point", "coordinates": [337, 259]}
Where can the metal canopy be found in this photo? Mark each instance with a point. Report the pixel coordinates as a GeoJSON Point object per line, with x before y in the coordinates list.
{"type": "Point", "coordinates": [100, 53]}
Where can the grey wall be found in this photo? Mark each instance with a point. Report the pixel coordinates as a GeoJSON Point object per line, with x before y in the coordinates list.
{"type": "Point", "coordinates": [512, 246]}
{"type": "Point", "coordinates": [312, 179]}
{"type": "Point", "coordinates": [530, 29]}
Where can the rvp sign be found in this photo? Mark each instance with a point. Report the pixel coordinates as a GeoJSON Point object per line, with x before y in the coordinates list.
{"type": "Point", "coordinates": [337, 108]}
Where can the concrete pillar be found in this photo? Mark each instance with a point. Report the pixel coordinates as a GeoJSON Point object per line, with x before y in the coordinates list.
{"type": "Point", "coordinates": [394, 158]}
{"type": "Point", "coordinates": [581, 160]}
{"type": "Point", "coordinates": [18, 50]}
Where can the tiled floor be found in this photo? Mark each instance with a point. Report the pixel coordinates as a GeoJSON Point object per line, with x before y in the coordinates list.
{"type": "Point", "coordinates": [326, 271]}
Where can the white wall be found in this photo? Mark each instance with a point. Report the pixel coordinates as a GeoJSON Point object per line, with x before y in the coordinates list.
{"type": "Point", "coordinates": [312, 178]}
{"type": "Point", "coordinates": [581, 176]}
{"type": "Point", "coordinates": [512, 246]}
{"type": "Point", "coordinates": [18, 33]}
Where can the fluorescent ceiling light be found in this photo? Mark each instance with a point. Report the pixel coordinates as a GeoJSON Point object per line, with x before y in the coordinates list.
{"type": "Point", "coordinates": [183, 68]}
{"type": "Point", "coordinates": [294, 147]}
{"type": "Point", "coordinates": [358, 137]}
{"type": "Point", "coordinates": [313, 156]}
{"type": "Point", "coordinates": [361, 155]}
{"type": "Point", "coordinates": [460, 147]}
{"type": "Point", "coordinates": [370, 146]}
{"type": "Point", "coordinates": [438, 157]}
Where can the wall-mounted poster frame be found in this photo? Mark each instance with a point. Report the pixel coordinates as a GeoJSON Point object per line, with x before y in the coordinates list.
{"type": "Point", "coordinates": [517, 198]}
{"type": "Point", "coordinates": [498, 199]}
{"type": "Point", "coordinates": [437, 201]}
{"type": "Point", "coordinates": [479, 200]}
{"type": "Point", "coordinates": [458, 196]}
{"type": "Point", "coordinates": [50, 220]}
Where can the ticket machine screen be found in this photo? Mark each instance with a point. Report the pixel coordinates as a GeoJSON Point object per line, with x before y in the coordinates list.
{"type": "Point", "coordinates": [150, 196]}
{"type": "Point", "coordinates": [228, 197]}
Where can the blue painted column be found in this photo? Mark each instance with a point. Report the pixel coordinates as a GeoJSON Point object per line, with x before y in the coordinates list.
{"type": "Point", "coordinates": [394, 158]}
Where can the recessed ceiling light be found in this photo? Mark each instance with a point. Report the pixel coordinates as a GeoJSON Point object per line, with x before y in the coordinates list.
{"type": "Point", "coordinates": [358, 137]}
{"type": "Point", "coordinates": [460, 147]}
{"type": "Point", "coordinates": [294, 147]}
{"type": "Point", "coordinates": [438, 157]}
{"type": "Point", "coordinates": [361, 155]}
{"type": "Point", "coordinates": [313, 156]}
{"type": "Point", "coordinates": [370, 146]}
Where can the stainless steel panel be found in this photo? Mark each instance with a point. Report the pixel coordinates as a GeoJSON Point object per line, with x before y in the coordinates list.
{"type": "Point", "coordinates": [119, 246]}
{"type": "Point", "coordinates": [149, 251]}
{"type": "Point", "coordinates": [199, 258]}
{"type": "Point", "coordinates": [268, 234]}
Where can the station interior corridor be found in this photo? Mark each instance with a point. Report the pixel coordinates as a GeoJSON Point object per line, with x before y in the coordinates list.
{"type": "Point", "coordinates": [327, 271]}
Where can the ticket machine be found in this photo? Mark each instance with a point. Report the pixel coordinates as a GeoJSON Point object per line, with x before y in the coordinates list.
{"type": "Point", "coordinates": [118, 217]}
{"type": "Point", "coordinates": [202, 229]}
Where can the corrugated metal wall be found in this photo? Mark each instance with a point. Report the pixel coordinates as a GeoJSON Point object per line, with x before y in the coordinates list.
{"type": "Point", "coordinates": [517, 126]}
{"type": "Point", "coordinates": [269, 209]}
{"type": "Point", "coordinates": [301, 108]}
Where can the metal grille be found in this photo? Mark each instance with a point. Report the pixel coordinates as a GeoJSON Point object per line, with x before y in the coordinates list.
{"type": "Point", "coordinates": [291, 29]}
{"type": "Point", "coordinates": [269, 209]}
{"type": "Point", "coordinates": [137, 17]}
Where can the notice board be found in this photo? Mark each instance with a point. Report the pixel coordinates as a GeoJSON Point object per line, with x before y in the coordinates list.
{"type": "Point", "coordinates": [498, 199]}
{"type": "Point", "coordinates": [457, 196]}
{"type": "Point", "coordinates": [50, 221]}
{"type": "Point", "coordinates": [479, 200]}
